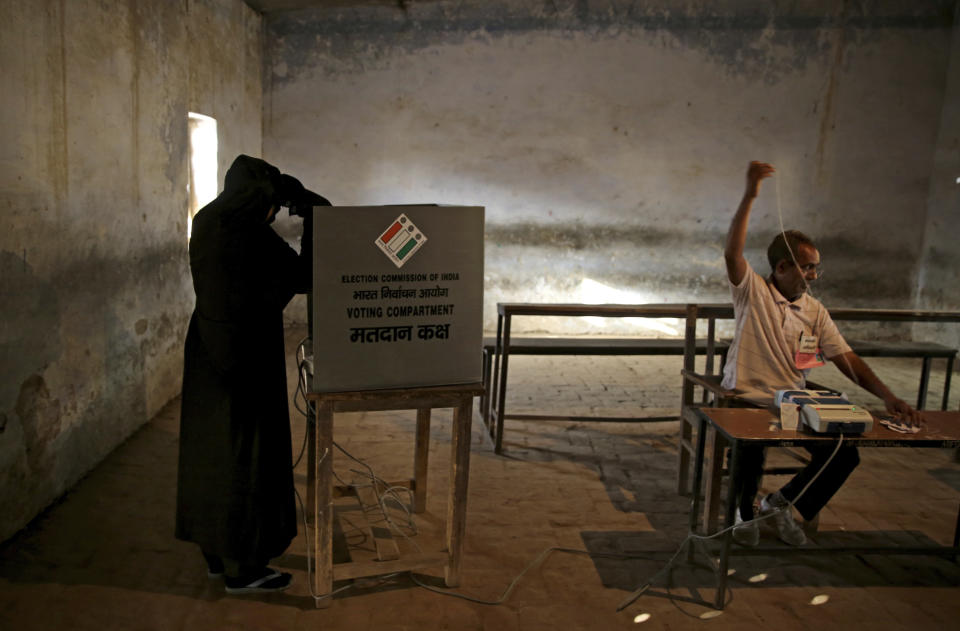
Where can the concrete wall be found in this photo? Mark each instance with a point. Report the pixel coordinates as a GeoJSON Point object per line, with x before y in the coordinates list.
{"type": "Point", "coordinates": [95, 291]}
{"type": "Point", "coordinates": [608, 139]}
{"type": "Point", "coordinates": [939, 278]}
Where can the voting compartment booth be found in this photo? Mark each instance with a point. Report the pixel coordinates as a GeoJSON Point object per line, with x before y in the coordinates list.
{"type": "Point", "coordinates": [397, 296]}
{"type": "Point", "coordinates": [397, 325]}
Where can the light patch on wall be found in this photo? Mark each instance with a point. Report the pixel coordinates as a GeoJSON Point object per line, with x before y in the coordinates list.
{"type": "Point", "coordinates": [202, 185]}
{"type": "Point", "coordinates": [592, 292]}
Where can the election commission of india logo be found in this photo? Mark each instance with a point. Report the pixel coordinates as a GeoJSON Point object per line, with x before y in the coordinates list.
{"type": "Point", "coordinates": [401, 240]}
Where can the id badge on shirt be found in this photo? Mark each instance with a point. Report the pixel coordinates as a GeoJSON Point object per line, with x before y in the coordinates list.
{"type": "Point", "coordinates": [808, 354]}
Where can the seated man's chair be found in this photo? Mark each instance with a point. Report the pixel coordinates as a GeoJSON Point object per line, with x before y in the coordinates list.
{"type": "Point", "coordinates": [715, 452]}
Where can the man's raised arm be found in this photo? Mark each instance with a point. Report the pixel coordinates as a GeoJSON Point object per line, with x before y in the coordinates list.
{"type": "Point", "coordinates": [737, 236]}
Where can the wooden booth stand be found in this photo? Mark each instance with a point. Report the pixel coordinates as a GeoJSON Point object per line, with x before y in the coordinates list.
{"type": "Point", "coordinates": [397, 320]}
{"type": "Point", "coordinates": [321, 490]}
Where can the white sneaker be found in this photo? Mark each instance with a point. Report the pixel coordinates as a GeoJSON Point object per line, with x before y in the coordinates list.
{"type": "Point", "coordinates": [746, 534]}
{"type": "Point", "coordinates": [788, 529]}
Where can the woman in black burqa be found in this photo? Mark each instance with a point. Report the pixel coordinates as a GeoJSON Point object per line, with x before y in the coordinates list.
{"type": "Point", "coordinates": [235, 495]}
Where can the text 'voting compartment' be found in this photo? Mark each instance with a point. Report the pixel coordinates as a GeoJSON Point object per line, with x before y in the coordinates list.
{"type": "Point", "coordinates": [397, 296]}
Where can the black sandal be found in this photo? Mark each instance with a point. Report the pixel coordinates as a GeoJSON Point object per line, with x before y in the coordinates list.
{"type": "Point", "coordinates": [264, 581]}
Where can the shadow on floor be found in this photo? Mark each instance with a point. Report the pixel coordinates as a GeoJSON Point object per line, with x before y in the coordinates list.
{"type": "Point", "coordinates": [815, 569]}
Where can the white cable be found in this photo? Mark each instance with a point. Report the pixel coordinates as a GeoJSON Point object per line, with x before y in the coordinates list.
{"type": "Point", "coordinates": [389, 492]}
{"type": "Point", "coordinates": [777, 510]}
{"type": "Point", "coordinates": [537, 561]}
{"type": "Point", "coordinates": [776, 185]}
{"type": "Point", "coordinates": [692, 536]}
{"type": "Point", "coordinates": [506, 593]}
{"type": "Point", "coordinates": [786, 242]}
{"type": "Point", "coordinates": [318, 598]}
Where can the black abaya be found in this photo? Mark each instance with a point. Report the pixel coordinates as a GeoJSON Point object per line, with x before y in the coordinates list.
{"type": "Point", "coordinates": [235, 494]}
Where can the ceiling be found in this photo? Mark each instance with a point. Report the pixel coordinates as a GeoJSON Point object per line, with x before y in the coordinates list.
{"type": "Point", "coordinates": [273, 6]}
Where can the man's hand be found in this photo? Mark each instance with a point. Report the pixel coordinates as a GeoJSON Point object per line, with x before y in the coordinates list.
{"type": "Point", "coordinates": [902, 410]}
{"type": "Point", "coordinates": [737, 235]}
{"type": "Point", "coordinates": [857, 371]}
{"type": "Point", "coordinates": [755, 173]}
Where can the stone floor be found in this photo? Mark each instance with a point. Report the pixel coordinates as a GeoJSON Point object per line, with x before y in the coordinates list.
{"type": "Point", "coordinates": [104, 556]}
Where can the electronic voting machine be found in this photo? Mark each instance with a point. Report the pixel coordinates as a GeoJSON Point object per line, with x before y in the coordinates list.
{"type": "Point", "coordinates": [827, 412]}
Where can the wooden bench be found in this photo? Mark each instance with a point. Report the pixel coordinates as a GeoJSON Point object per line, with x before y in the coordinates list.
{"type": "Point", "coordinates": [496, 353]}
{"type": "Point", "coordinates": [582, 346]}
{"type": "Point", "coordinates": [928, 351]}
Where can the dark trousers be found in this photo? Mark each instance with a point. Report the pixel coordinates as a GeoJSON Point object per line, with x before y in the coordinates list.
{"type": "Point", "coordinates": [816, 497]}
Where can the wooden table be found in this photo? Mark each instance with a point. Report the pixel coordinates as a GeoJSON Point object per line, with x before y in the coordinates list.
{"type": "Point", "coordinates": [713, 312]}
{"type": "Point", "coordinates": [925, 350]}
{"type": "Point", "coordinates": [753, 426]}
{"type": "Point", "coordinates": [321, 490]}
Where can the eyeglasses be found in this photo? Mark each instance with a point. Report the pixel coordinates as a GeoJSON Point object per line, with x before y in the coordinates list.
{"type": "Point", "coordinates": [811, 267]}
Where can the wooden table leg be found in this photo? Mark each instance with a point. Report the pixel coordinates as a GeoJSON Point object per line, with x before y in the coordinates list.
{"type": "Point", "coordinates": [321, 469]}
{"type": "Point", "coordinates": [924, 383]}
{"type": "Point", "coordinates": [421, 457]}
{"type": "Point", "coordinates": [457, 499]}
{"type": "Point", "coordinates": [311, 509]}
{"type": "Point", "coordinates": [697, 478]}
{"type": "Point", "coordinates": [948, 373]}
{"type": "Point", "coordinates": [956, 531]}
{"type": "Point", "coordinates": [686, 400]}
{"type": "Point", "coordinates": [487, 368]}
{"type": "Point", "coordinates": [708, 367]}
{"type": "Point", "coordinates": [494, 382]}
{"type": "Point", "coordinates": [501, 386]}
{"type": "Point", "coordinates": [724, 561]}
{"type": "Point", "coordinates": [713, 470]}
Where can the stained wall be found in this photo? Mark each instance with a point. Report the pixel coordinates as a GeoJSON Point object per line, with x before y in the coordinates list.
{"type": "Point", "coordinates": [95, 292]}
{"type": "Point", "coordinates": [938, 279]}
{"type": "Point", "coordinates": [608, 140]}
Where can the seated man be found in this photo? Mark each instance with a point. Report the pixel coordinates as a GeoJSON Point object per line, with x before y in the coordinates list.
{"type": "Point", "coordinates": [781, 332]}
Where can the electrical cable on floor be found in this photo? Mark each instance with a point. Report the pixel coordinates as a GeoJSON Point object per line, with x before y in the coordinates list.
{"type": "Point", "coordinates": [383, 491]}
{"type": "Point", "coordinates": [390, 493]}
{"type": "Point", "coordinates": [629, 600]}
{"type": "Point", "coordinates": [381, 495]}
{"type": "Point", "coordinates": [506, 593]}
{"type": "Point", "coordinates": [317, 598]}
{"type": "Point", "coordinates": [513, 584]}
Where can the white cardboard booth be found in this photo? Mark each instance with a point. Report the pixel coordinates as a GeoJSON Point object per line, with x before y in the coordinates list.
{"type": "Point", "coordinates": [397, 296]}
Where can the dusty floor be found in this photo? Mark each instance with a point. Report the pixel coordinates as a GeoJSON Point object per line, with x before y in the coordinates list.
{"type": "Point", "coordinates": [104, 557]}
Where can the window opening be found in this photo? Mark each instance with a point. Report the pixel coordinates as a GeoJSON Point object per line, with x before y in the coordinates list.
{"type": "Point", "coordinates": [202, 183]}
